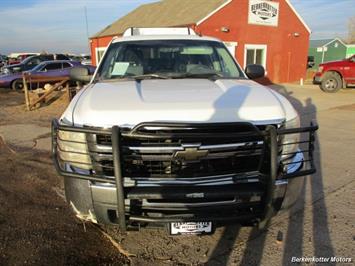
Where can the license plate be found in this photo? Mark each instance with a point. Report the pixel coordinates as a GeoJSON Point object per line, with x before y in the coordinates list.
{"type": "Point", "coordinates": [190, 228]}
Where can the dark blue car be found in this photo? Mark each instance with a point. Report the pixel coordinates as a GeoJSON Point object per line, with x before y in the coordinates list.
{"type": "Point", "coordinates": [58, 68]}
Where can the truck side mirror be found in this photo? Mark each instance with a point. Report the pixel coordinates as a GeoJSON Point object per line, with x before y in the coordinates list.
{"type": "Point", "coordinates": [255, 71]}
{"type": "Point", "coordinates": [80, 74]}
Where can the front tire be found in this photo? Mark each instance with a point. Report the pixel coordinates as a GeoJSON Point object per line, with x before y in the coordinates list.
{"type": "Point", "coordinates": [331, 82]}
{"type": "Point", "coordinates": [17, 84]}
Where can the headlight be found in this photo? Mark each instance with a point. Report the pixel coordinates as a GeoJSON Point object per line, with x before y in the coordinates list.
{"type": "Point", "coordinates": [290, 141]}
{"type": "Point", "coordinates": [6, 71]}
{"type": "Point", "coordinates": [73, 149]}
{"type": "Point", "coordinates": [320, 69]}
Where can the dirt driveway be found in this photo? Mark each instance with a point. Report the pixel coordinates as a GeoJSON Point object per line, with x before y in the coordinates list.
{"type": "Point", "coordinates": [37, 227]}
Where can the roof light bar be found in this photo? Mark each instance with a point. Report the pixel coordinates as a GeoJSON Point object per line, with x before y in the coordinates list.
{"type": "Point", "coordinates": [159, 31]}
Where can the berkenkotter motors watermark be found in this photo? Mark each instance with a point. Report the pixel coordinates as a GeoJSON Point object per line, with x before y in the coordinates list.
{"type": "Point", "coordinates": [321, 259]}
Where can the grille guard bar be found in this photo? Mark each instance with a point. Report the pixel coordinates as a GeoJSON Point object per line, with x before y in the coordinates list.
{"type": "Point", "coordinates": [270, 136]}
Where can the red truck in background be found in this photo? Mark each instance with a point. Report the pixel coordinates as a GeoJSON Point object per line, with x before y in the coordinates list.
{"type": "Point", "coordinates": [332, 76]}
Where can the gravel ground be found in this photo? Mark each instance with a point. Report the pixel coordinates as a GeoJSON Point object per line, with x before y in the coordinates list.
{"type": "Point", "coordinates": [37, 227]}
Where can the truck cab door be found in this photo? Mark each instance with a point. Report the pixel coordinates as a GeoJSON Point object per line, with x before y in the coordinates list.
{"type": "Point", "coordinates": [347, 69]}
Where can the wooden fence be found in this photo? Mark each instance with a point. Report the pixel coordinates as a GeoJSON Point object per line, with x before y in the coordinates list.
{"type": "Point", "coordinates": [57, 83]}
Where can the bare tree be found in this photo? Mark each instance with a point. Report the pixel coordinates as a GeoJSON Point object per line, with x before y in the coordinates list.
{"type": "Point", "coordinates": [351, 34]}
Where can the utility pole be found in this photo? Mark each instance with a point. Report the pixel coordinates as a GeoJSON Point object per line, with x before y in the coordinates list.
{"type": "Point", "coordinates": [87, 26]}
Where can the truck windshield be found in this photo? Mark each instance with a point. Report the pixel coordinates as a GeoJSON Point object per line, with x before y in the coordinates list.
{"type": "Point", "coordinates": [168, 59]}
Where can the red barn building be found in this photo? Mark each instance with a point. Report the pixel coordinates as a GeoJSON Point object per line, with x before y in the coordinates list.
{"type": "Point", "coordinates": [264, 32]}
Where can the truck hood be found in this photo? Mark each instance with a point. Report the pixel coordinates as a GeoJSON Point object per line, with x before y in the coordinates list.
{"type": "Point", "coordinates": [335, 62]}
{"type": "Point", "coordinates": [127, 103]}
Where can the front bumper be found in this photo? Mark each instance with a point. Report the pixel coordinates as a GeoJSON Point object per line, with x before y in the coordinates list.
{"type": "Point", "coordinates": [317, 79]}
{"type": "Point", "coordinates": [97, 202]}
{"type": "Point", "coordinates": [109, 201]}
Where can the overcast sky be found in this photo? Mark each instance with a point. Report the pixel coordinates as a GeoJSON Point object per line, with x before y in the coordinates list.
{"type": "Point", "coordinates": [59, 26]}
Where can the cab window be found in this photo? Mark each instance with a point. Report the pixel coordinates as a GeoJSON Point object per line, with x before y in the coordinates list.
{"type": "Point", "coordinates": [53, 66]}
{"type": "Point", "coordinates": [66, 65]}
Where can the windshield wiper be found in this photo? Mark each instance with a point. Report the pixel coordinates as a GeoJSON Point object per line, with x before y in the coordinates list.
{"type": "Point", "coordinates": [120, 78]}
{"type": "Point", "coordinates": [132, 77]}
{"type": "Point", "coordinates": [209, 75]}
{"type": "Point", "coordinates": [150, 76]}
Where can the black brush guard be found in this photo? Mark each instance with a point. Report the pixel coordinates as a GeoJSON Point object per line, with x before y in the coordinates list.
{"type": "Point", "coordinates": [270, 135]}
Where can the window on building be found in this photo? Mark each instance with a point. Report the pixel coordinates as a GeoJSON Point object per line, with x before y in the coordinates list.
{"type": "Point", "coordinates": [99, 54]}
{"type": "Point", "coordinates": [231, 46]}
{"type": "Point", "coordinates": [255, 54]}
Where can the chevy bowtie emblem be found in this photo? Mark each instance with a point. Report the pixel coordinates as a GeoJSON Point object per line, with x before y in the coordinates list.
{"type": "Point", "coordinates": [190, 154]}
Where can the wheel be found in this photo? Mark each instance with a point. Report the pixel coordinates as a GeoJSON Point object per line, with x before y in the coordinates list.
{"type": "Point", "coordinates": [331, 82]}
{"type": "Point", "coordinates": [17, 84]}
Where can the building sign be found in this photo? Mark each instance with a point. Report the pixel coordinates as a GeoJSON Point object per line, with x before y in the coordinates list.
{"type": "Point", "coordinates": [262, 12]}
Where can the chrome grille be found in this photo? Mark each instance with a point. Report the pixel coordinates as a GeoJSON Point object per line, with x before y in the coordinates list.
{"type": "Point", "coordinates": [183, 153]}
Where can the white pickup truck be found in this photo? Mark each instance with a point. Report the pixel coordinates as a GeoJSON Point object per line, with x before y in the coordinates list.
{"type": "Point", "coordinates": [171, 131]}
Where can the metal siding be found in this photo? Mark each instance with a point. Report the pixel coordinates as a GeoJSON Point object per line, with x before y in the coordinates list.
{"type": "Point", "coordinates": [317, 57]}
{"type": "Point", "coordinates": [335, 53]}
{"type": "Point", "coordinates": [350, 51]}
